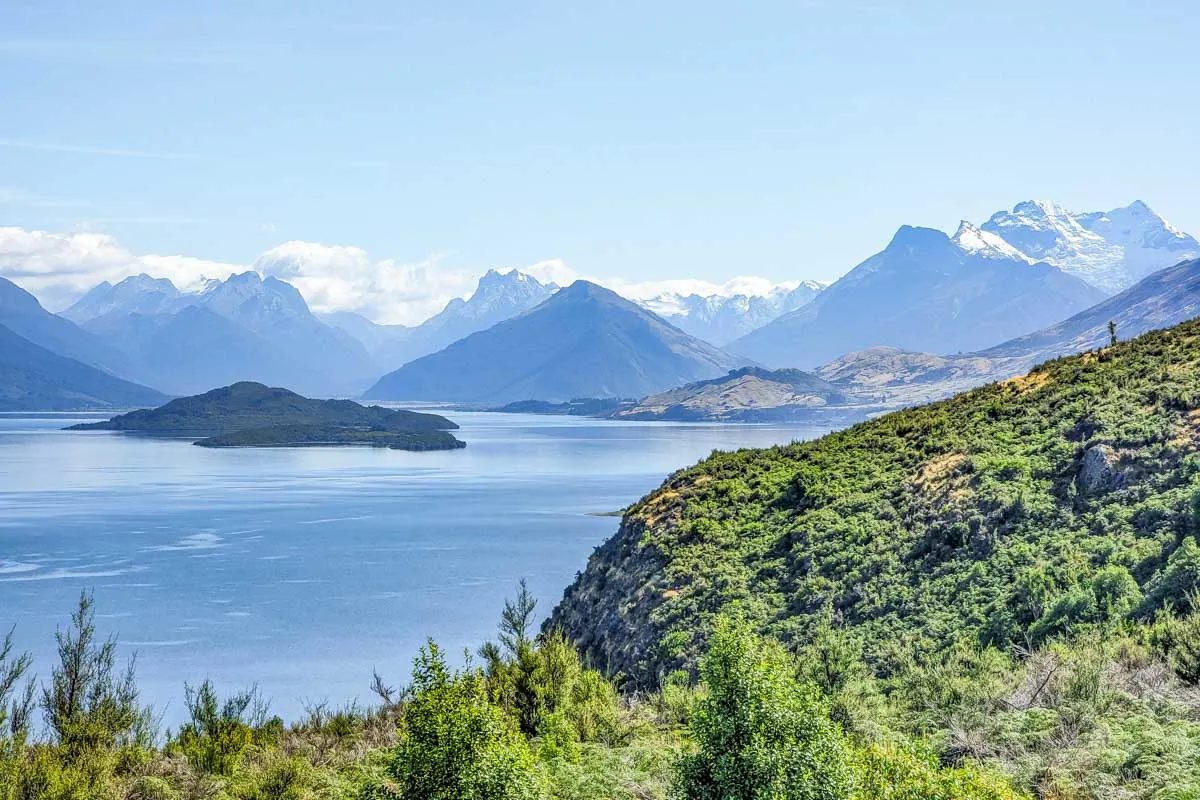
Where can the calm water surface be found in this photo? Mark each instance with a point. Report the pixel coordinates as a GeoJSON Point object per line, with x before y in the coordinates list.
{"type": "Point", "coordinates": [302, 570]}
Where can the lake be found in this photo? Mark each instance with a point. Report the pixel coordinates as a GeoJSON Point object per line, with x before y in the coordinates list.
{"type": "Point", "coordinates": [302, 570]}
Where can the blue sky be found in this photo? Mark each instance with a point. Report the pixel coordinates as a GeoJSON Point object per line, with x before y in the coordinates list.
{"type": "Point", "coordinates": [645, 140]}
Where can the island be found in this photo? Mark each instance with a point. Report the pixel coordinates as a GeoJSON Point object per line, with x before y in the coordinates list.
{"type": "Point", "coordinates": [250, 414]}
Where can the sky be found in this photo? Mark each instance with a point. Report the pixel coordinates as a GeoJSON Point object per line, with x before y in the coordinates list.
{"type": "Point", "coordinates": [413, 145]}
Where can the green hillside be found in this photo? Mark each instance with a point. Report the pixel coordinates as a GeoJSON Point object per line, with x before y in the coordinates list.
{"type": "Point", "coordinates": [1062, 499]}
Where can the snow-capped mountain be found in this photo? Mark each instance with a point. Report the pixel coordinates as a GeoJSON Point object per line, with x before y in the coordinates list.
{"type": "Point", "coordinates": [1111, 250]}
{"type": "Point", "coordinates": [721, 318]}
{"type": "Point", "coordinates": [139, 294]}
{"type": "Point", "coordinates": [926, 292]}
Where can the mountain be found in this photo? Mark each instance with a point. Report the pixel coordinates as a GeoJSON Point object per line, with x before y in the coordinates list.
{"type": "Point", "coordinates": [22, 314]}
{"type": "Point", "coordinates": [249, 414]}
{"type": "Point", "coordinates": [720, 318]}
{"type": "Point", "coordinates": [927, 292]}
{"type": "Point", "coordinates": [1111, 250]}
{"type": "Point", "coordinates": [1163, 299]}
{"type": "Point", "coordinates": [1004, 516]}
{"type": "Point", "coordinates": [137, 294]}
{"type": "Point", "coordinates": [34, 379]}
{"type": "Point", "coordinates": [246, 327]}
{"type": "Point", "coordinates": [585, 341]}
{"type": "Point", "coordinates": [749, 394]}
{"type": "Point", "coordinates": [497, 297]}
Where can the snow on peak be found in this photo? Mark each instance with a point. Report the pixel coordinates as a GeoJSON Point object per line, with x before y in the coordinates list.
{"type": "Point", "coordinates": [972, 240]}
{"type": "Point", "coordinates": [1111, 250]}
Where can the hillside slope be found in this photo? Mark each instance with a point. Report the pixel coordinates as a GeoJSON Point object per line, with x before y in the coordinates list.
{"type": "Point", "coordinates": [585, 341]}
{"type": "Point", "coordinates": [1004, 515]}
{"type": "Point", "coordinates": [34, 379]}
{"type": "Point", "coordinates": [1167, 297]}
{"type": "Point", "coordinates": [749, 394]}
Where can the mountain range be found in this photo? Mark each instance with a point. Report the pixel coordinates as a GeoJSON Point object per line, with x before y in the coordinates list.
{"type": "Point", "coordinates": [874, 330]}
{"type": "Point", "coordinates": [498, 296]}
{"type": "Point", "coordinates": [585, 341]}
{"type": "Point", "coordinates": [1164, 298]}
{"type": "Point", "coordinates": [925, 291]}
{"type": "Point", "coordinates": [245, 327]}
{"type": "Point", "coordinates": [721, 318]}
{"type": "Point", "coordinates": [1111, 250]}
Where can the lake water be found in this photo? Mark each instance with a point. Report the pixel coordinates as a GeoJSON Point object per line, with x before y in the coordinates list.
{"type": "Point", "coordinates": [302, 570]}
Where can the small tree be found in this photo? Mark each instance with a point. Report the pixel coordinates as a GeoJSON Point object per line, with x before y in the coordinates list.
{"type": "Point", "coordinates": [762, 734]}
{"type": "Point", "coordinates": [88, 704]}
{"type": "Point", "coordinates": [1112, 332]}
{"type": "Point", "coordinates": [16, 704]}
{"type": "Point", "coordinates": [218, 734]}
{"type": "Point", "coordinates": [516, 621]}
{"type": "Point", "coordinates": [454, 743]}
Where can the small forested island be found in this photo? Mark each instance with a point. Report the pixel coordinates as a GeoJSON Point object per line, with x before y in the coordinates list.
{"type": "Point", "coordinates": [250, 414]}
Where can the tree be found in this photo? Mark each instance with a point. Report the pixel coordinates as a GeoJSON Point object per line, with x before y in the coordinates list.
{"type": "Point", "coordinates": [89, 706]}
{"type": "Point", "coordinates": [762, 734]}
{"type": "Point", "coordinates": [218, 734]}
{"type": "Point", "coordinates": [16, 705]}
{"type": "Point", "coordinates": [516, 620]}
{"type": "Point", "coordinates": [1112, 332]}
{"type": "Point", "coordinates": [454, 743]}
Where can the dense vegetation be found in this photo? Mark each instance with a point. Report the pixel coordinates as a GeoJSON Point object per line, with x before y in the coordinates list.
{"type": "Point", "coordinates": [1006, 516]}
{"type": "Point", "coordinates": [1108, 713]}
{"type": "Point", "coordinates": [252, 415]}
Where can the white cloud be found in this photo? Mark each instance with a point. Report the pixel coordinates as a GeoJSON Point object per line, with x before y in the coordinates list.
{"type": "Point", "coordinates": [59, 268]}
{"type": "Point", "coordinates": [342, 278]}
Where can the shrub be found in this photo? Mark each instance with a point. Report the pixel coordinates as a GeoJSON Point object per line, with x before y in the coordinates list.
{"type": "Point", "coordinates": [761, 733]}
{"type": "Point", "coordinates": [896, 773]}
{"type": "Point", "coordinates": [454, 743]}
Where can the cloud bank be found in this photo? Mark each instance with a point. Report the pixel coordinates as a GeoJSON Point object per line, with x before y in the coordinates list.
{"type": "Point", "coordinates": [59, 268]}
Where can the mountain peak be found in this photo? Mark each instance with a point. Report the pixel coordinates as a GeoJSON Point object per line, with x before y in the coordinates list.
{"type": "Point", "coordinates": [914, 237]}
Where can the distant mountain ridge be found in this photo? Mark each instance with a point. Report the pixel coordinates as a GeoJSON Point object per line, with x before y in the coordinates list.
{"type": "Point", "coordinates": [33, 378]}
{"type": "Point", "coordinates": [721, 318]}
{"type": "Point", "coordinates": [498, 296]}
{"type": "Point", "coordinates": [585, 341]}
{"type": "Point", "coordinates": [245, 327]}
{"type": "Point", "coordinates": [1163, 299]}
{"type": "Point", "coordinates": [22, 314]}
{"type": "Point", "coordinates": [925, 291]}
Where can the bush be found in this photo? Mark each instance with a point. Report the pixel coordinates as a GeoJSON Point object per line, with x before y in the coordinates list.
{"type": "Point", "coordinates": [761, 733]}
{"type": "Point", "coordinates": [218, 735]}
{"type": "Point", "coordinates": [895, 773]}
{"type": "Point", "coordinates": [454, 743]}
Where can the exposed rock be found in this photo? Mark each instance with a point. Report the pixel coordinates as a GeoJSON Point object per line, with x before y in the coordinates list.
{"type": "Point", "coordinates": [1099, 473]}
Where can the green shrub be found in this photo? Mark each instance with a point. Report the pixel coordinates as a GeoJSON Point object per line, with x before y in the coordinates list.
{"type": "Point", "coordinates": [761, 733]}
{"type": "Point", "coordinates": [454, 743]}
{"type": "Point", "coordinates": [896, 773]}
